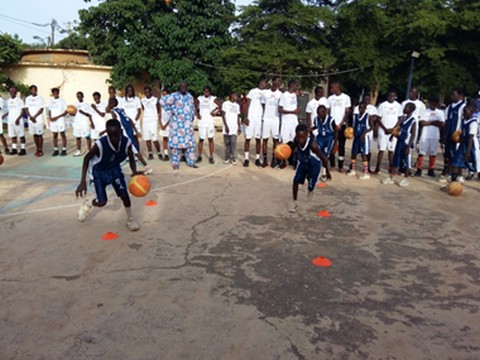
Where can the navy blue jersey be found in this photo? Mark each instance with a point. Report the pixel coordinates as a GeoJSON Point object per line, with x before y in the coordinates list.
{"type": "Point", "coordinates": [126, 126]}
{"type": "Point", "coordinates": [453, 117]}
{"type": "Point", "coordinates": [406, 130]}
{"type": "Point", "coordinates": [109, 157]}
{"type": "Point", "coordinates": [325, 129]}
{"type": "Point", "coordinates": [305, 154]}
{"type": "Point", "coordinates": [469, 127]}
{"type": "Point", "coordinates": [360, 125]}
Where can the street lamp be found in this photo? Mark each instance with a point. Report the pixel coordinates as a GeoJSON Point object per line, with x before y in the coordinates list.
{"type": "Point", "coordinates": [413, 56]}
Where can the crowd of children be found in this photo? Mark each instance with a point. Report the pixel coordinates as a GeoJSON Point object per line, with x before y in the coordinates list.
{"type": "Point", "coordinates": [168, 121]}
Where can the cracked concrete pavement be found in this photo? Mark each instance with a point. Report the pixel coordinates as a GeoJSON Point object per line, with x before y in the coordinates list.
{"type": "Point", "coordinates": [220, 269]}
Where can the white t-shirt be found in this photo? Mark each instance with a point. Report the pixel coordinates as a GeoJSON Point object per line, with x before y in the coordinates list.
{"type": "Point", "coordinates": [390, 112]}
{"type": "Point", "coordinates": [338, 104]}
{"type": "Point", "coordinates": [131, 106]}
{"type": "Point", "coordinates": [99, 121]}
{"type": "Point", "coordinates": [33, 104]}
{"type": "Point", "coordinates": [57, 107]}
{"type": "Point", "coordinates": [231, 110]}
{"type": "Point", "coordinates": [15, 107]}
{"type": "Point", "coordinates": [371, 110]}
{"type": "Point", "coordinates": [150, 111]}
{"type": "Point", "coordinates": [430, 131]}
{"type": "Point", "coordinates": [206, 106]}
{"type": "Point", "coordinates": [79, 117]}
{"type": "Point", "coordinates": [313, 105]}
{"type": "Point", "coordinates": [288, 101]}
{"type": "Point", "coordinates": [255, 111]}
{"type": "Point", "coordinates": [271, 100]}
{"type": "Point", "coordinates": [419, 107]}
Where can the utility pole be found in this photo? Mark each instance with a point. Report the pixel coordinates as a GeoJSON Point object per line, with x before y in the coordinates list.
{"type": "Point", "coordinates": [53, 26]}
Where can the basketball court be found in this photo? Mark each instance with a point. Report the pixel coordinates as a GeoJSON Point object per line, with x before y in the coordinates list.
{"type": "Point", "coordinates": [221, 270]}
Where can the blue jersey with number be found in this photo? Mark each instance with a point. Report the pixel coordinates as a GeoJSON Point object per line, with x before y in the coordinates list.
{"type": "Point", "coordinates": [453, 117]}
{"type": "Point", "coordinates": [305, 154]}
{"type": "Point", "coordinates": [406, 130]}
{"type": "Point", "coordinates": [109, 156]}
{"type": "Point", "coordinates": [126, 126]}
{"type": "Point", "coordinates": [360, 124]}
{"type": "Point", "coordinates": [325, 129]}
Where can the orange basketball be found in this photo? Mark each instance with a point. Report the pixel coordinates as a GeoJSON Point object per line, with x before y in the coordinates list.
{"type": "Point", "coordinates": [71, 110]}
{"type": "Point", "coordinates": [396, 131]}
{"type": "Point", "coordinates": [283, 152]}
{"type": "Point", "coordinates": [454, 188]}
{"type": "Point", "coordinates": [457, 136]}
{"type": "Point", "coordinates": [349, 132]}
{"type": "Point", "coordinates": [139, 185]}
{"type": "Point", "coordinates": [1, 159]}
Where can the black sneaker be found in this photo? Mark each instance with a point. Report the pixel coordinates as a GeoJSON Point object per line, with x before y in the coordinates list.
{"type": "Point", "coordinates": [194, 166]}
{"type": "Point", "coordinates": [246, 163]}
{"type": "Point", "coordinates": [7, 151]}
{"type": "Point", "coordinates": [265, 163]}
{"type": "Point", "coordinates": [150, 156]}
{"type": "Point", "coordinates": [13, 152]}
{"type": "Point", "coordinates": [55, 153]}
{"type": "Point", "coordinates": [211, 161]}
{"type": "Point", "coordinates": [418, 172]}
{"type": "Point", "coordinates": [22, 152]}
{"type": "Point", "coordinates": [258, 163]}
{"type": "Point", "coordinates": [63, 153]}
{"type": "Point", "coordinates": [431, 173]}
{"type": "Point", "coordinates": [274, 162]}
{"type": "Point", "coordinates": [166, 157]}
{"type": "Point", "coordinates": [199, 159]}
{"type": "Point", "coordinates": [160, 156]}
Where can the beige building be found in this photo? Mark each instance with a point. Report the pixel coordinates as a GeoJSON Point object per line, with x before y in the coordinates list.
{"type": "Point", "coordinates": [69, 70]}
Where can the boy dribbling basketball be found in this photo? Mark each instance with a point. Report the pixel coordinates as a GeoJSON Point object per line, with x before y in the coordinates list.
{"type": "Point", "coordinates": [103, 163]}
{"type": "Point", "coordinates": [309, 163]}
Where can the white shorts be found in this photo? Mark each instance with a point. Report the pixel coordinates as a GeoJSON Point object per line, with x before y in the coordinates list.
{"type": "Point", "coordinates": [254, 129]}
{"type": "Point", "coordinates": [370, 141]}
{"type": "Point", "coordinates": [150, 131]}
{"type": "Point", "coordinates": [206, 130]}
{"type": "Point", "coordinates": [138, 128]}
{"type": "Point", "coordinates": [428, 147]}
{"type": "Point", "coordinates": [81, 130]}
{"type": "Point", "coordinates": [287, 131]}
{"type": "Point", "coordinates": [391, 143]}
{"type": "Point", "coordinates": [57, 126]}
{"type": "Point", "coordinates": [271, 126]}
{"type": "Point", "coordinates": [163, 133]}
{"type": "Point", "coordinates": [382, 140]}
{"type": "Point", "coordinates": [35, 128]}
{"type": "Point", "coordinates": [14, 130]}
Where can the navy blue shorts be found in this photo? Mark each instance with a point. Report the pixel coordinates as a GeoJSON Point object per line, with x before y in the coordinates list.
{"type": "Point", "coordinates": [360, 146]}
{"type": "Point", "coordinates": [309, 171]}
{"type": "Point", "coordinates": [113, 176]}
{"type": "Point", "coordinates": [399, 157]}
{"type": "Point", "coordinates": [326, 145]}
{"type": "Point", "coordinates": [459, 159]}
{"type": "Point", "coordinates": [450, 148]}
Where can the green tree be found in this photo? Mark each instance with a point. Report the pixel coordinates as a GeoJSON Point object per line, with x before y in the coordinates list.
{"type": "Point", "coordinates": [159, 40]}
{"type": "Point", "coordinates": [279, 37]}
{"type": "Point", "coordinates": [10, 49]}
{"type": "Point", "coordinates": [73, 41]}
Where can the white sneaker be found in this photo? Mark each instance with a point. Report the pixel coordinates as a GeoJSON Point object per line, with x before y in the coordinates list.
{"type": "Point", "coordinates": [388, 181]}
{"type": "Point", "coordinates": [83, 212]}
{"type": "Point", "coordinates": [77, 153]}
{"type": "Point", "coordinates": [404, 183]}
{"type": "Point", "coordinates": [227, 162]}
{"type": "Point", "coordinates": [292, 206]}
{"type": "Point", "coordinates": [352, 173]}
{"type": "Point", "coordinates": [461, 179]}
{"type": "Point", "coordinates": [234, 162]}
{"type": "Point", "coordinates": [364, 177]}
{"type": "Point", "coordinates": [132, 224]}
{"type": "Point", "coordinates": [442, 179]}
{"type": "Point", "coordinates": [147, 170]}
{"type": "Point", "coordinates": [310, 195]}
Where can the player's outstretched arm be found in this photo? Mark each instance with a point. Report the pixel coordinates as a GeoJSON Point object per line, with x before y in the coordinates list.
{"type": "Point", "coordinates": [316, 149]}
{"type": "Point", "coordinates": [131, 161]}
{"type": "Point", "coordinates": [82, 187]}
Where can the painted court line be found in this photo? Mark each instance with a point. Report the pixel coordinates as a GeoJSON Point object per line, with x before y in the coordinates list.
{"type": "Point", "coordinates": [52, 208]}
{"type": "Point", "coordinates": [22, 176]}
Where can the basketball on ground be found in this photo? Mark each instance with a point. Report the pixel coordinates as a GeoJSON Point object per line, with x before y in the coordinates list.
{"type": "Point", "coordinates": [454, 188]}
{"type": "Point", "coordinates": [348, 132]}
{"type": "Point", "coordinates": [71, 110]}
{"type": "Point", "coordinates": [139, 185]}
{"type": "Point", "coordinates": [283, 152]}
{"type": "Point", "coordinates": [457, 136]}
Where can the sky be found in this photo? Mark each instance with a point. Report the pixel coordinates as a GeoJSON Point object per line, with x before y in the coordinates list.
{"type": "Point", "coordinates": [23, 17]}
